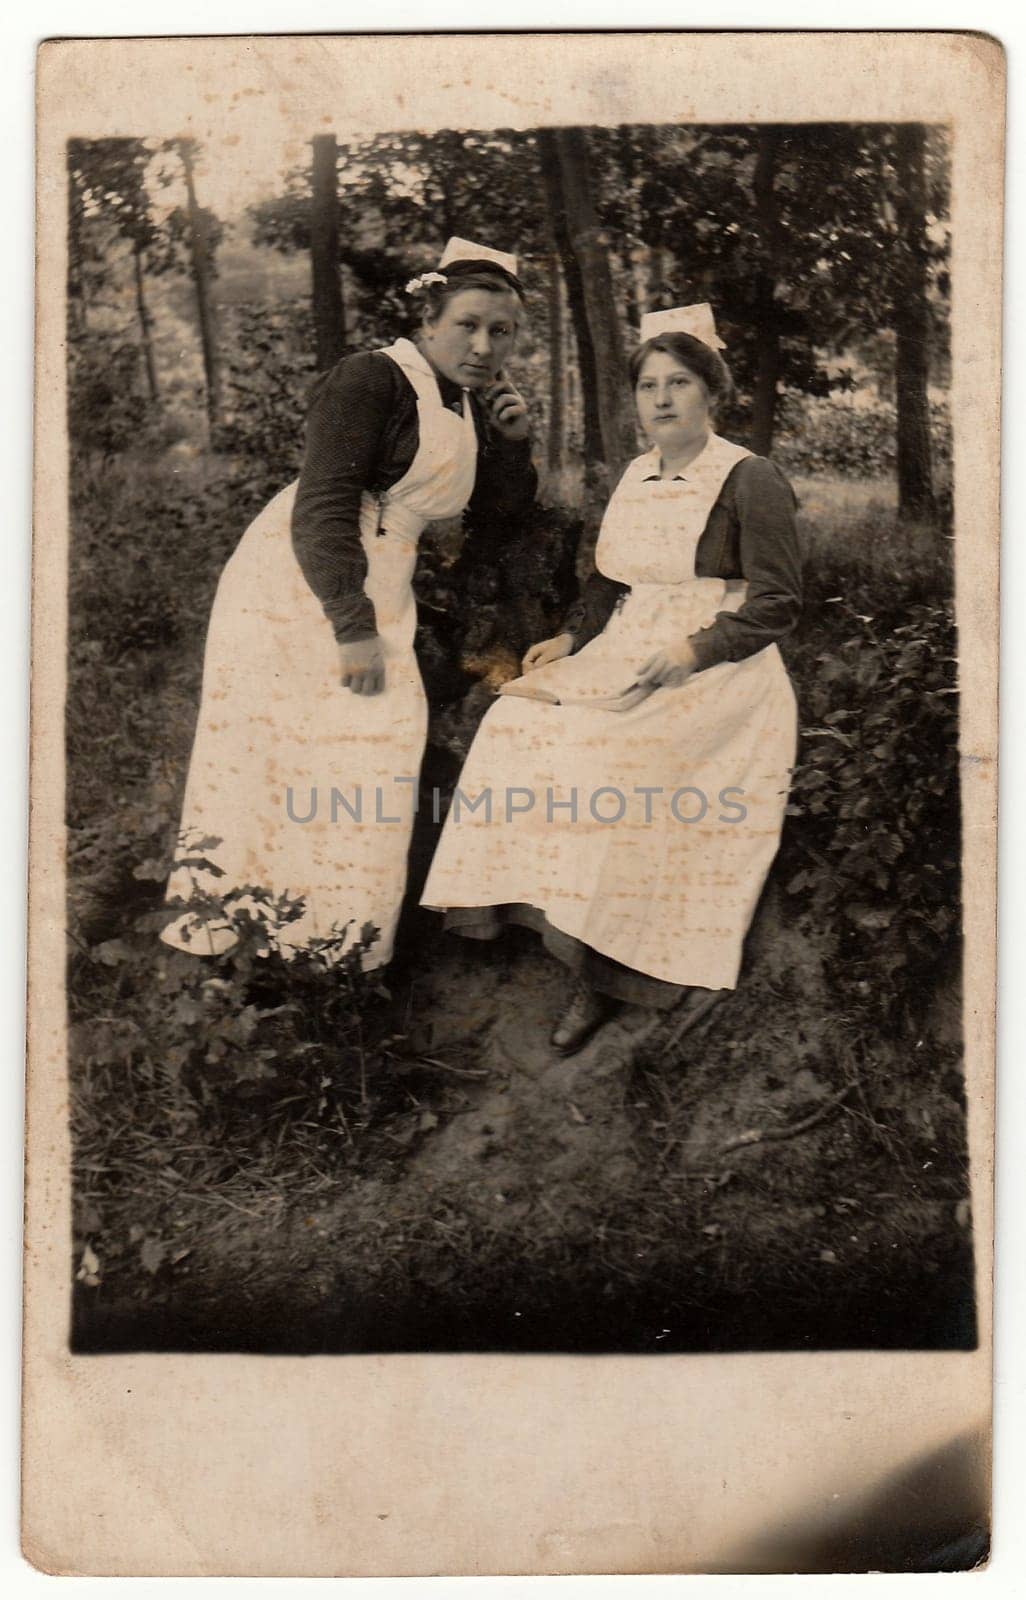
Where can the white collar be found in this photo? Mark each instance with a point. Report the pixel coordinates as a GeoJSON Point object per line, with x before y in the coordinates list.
{"type": "Point", "coordinates": [708, 456]}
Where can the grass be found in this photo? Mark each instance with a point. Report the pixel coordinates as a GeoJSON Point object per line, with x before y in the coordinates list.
{"type": "Point", "coordinates": [272, 1158]}
{"type": "Point", "coordinates": [850, 531]}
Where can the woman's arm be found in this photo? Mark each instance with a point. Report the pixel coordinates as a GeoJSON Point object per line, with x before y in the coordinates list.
{"type": "Point", "coordinates": [592, 609]}
{"type": "Point", "coordinates": [770, 563]}
{"type": "Point", "coordinates": [348, 414]}
{"type": "Point", "coordinates": [505, 483]}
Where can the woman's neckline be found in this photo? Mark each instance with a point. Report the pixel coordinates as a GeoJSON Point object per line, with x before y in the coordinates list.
{"type": "Point", "coordinates": [678, 469]}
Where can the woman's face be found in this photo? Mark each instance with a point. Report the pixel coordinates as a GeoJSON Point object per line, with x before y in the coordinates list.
{"type": "Point", "coordinates": [673, 403]}
{"type": "Point", "coordinates": [473, 336]}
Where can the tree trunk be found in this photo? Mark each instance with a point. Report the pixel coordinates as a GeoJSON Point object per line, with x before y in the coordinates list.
{"type": "Point", "coordinates": [767, 332]}
{"type": "Point", "coordinates": [591, 429]}
{"type": "Point", "coordinates": [639, 258]}
{"type": "Point", "coordinates": [199, 253]}
{"type": "Point", "coordinates": [912, 326]}
{"type": "Point", "coordinates": [655, 288]}
{"type": "Point", "coordinates": [615, 419]}
{"type": "Point", "coordinates": [573, 409]}
{"type": "Point", "coordinates": [145, 323]}
{"type": "Point", "coordinates": [624, 265]}
{"type": "Point", "coordinates": [328, 306]}
{"type": "Point", "coordinates": [556, 423]}
{"type": "Point", "coordinates": [449, 160]}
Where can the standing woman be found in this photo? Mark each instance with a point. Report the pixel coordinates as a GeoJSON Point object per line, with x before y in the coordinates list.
{"type": "Point", "coordinates": [313, 718]}
{"type": "Point", "coordinates": [638, 772]}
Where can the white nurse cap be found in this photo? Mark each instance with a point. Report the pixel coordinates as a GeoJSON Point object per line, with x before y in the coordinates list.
{"type": "Point", "coordinates": [696, 320]}
{"type": "Point", "coordinates": [467, 250]}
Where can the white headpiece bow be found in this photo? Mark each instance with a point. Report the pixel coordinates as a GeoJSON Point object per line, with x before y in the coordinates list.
{"type": "Point", "coordinates": [696, 320]}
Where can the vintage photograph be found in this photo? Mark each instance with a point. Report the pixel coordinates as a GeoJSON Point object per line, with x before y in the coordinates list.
{"type": "Point", "coordinates": [512, 738]}
{"type": "Point", "coordinates": [512, 840]}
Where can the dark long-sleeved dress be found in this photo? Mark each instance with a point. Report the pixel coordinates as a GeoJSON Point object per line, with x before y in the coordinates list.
{"type": "Point", "coordinates": [637, 842]}
{"type": "Point", "coordinates": [362, 434]}
{"type": "Point", "coordinates": [750, 535]}
{"type": "Point", "coordinates": [309, 788]}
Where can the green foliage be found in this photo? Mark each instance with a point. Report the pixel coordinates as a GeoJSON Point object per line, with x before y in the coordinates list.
{"type": "Point", "coordinates": [107, 195]}
{"type": "Point", "coordinates": [256, 1029]}
{"type": "Point", "coordinates": [678, 211]}
{"type": "Point", "coordinates": [841, 440]}
{"type": "Point", "coordinates": [210, 1076]}
{"type": "Point", "coordinates": [831, 251]}
{"type": "Point", "coordinates": [107, 409]}
{"type": "Point", "coordinates": [269, 371]}
{"type": "Point", "coordinates": [109, 412]}
{"type": "Point", "coordinates": [112, 187]}
{"type": "Point", "coordinates": [149, 540]}
{"type": "Point", "coordinates": [872, 856]}
{"type": "Point", "coordinates": [411, 191]}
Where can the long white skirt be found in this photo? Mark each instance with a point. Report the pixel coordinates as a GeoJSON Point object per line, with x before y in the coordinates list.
{"type": "Point", "coordinates": [309, 787]}
{"type": "Point", "coordinates": [665, 882]}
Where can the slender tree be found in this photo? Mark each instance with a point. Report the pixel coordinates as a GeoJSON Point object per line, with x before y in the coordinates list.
{"type": "Point", "coordinates": [328, 305]}
{"type": "Point", "coordinates": [574, 279]}
{"type": "Point", "coordinates": [912, 328]}
{"type": "Point", "coordinates": [615, 421]}
{"type": "Point", "coordinates": [201, 262]}
{"type": "Point", "coordinates": [655, 285]}
{"type": "Point", "coordinates": [106, 185]}
{"type": "Point", "coordinates": [554, 287]}
{"type": "Point", "coordinates": [767, 328]}
{"type": "Point", "coordinates": [145, 320]}
{"type": "Point", "coordinates": [623, 265]}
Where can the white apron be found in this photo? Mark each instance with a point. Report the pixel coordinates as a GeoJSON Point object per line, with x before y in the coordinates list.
{"type": "Point", "coordinates": [665, 883]}
{"type": "Point", "coordinates": [277, 732]}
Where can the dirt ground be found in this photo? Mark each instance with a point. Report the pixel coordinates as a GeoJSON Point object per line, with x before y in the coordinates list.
{"type": "Point", "coordinates": [749, 1186]}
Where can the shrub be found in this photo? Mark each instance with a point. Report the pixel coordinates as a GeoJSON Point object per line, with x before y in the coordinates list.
{"type": "Point", "coordinates": [249, 1042]}
{"type": "Point", "coordinates": [205, 1087]}
{"type": "Point", "coordinates": [269, 370]}
{"type": "Point", "coordinates": [108, 413]}
{"type": "Point", "coordinates": [876, 789]}
{"type": "Point", "coordinates": [829, 436]}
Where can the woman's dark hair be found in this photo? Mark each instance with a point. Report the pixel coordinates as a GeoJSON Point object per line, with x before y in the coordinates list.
{"type": "Point", "coordinates": [699, 358]}
{"type": "Point", "coordinates": [462, 275]}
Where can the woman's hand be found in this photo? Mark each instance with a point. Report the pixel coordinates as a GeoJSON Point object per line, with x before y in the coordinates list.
{"type": "Point", "coordinates": [507, 409]}
{"type": "Point", "coordinates": [668, 669]}
{"type": "Point", "coordinates": [362, 666]}
{"type": "Point", "coordinates": [548, 650]}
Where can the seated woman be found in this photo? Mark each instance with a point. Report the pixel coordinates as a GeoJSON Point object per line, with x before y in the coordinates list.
{"type": "Point", "coordinates": [313, 718]}
{"type": "Point", "coordinates": [625, 797]}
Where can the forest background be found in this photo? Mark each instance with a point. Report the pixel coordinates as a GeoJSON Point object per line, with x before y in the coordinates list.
{"type": "Point", "coordinates": [255, 1148]}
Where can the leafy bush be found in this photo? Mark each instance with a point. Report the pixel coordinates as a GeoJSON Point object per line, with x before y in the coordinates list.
{"type": "Point", "coordinates": [269, 371]}
{"type": "Point", "coordinates": [874, 858]}
{"type": "Point", "coordinates": [829, 436]}
{"type": "Point", "coordinates": [261, 1023]}
{"type": "Point", "coordinates": [210, 1077]}
{"type": "Point", "coordinates": [108, 413]}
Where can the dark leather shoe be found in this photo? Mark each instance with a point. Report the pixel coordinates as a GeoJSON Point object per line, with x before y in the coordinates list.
{"type": "Point", "coordinates": [587, 1011]}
